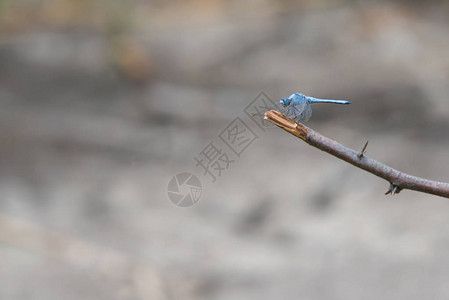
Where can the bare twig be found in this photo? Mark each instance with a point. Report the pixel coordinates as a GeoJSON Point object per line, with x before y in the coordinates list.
{"type": "Point", "coordinates": [398, 180]}
{"type": "Point", "coordinates": [360, 155]}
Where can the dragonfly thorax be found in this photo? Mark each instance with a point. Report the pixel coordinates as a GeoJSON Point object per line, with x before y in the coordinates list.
{"type": "Point", "coordinates": [294, 99]}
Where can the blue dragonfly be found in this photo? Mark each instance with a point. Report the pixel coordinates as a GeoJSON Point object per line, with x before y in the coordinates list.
{"type": "Point", "coordinates": [298, 106]}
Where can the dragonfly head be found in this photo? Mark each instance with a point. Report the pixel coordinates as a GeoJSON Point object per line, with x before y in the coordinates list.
{"type": "Point", "coordinates": [285, 102]}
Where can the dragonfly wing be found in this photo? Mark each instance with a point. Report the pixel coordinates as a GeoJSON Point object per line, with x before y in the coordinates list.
{"type": "Point", "coordinates": [295, 112]}
{"type": "Point", "coordinates": [307, 112]}
{"type": "Point", "coordinates": [298, 112]}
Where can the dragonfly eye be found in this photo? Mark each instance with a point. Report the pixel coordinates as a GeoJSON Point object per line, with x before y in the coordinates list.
{"type": "Point", "coordinates": [284, 102]}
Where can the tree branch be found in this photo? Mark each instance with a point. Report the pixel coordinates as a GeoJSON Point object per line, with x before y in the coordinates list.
{"type": "Point", "coordinates": [398, 180]}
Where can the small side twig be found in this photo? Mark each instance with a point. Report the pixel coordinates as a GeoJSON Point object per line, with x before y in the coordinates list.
{"type": "Point", "coordinates": [398, 180]}
{"type": "Point", "coordinates": [360, 155]}
{"type": "Point", "coordinates": [393, 189]}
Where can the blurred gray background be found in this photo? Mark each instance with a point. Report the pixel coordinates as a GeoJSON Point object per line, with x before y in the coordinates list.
{"type": "Point", "coordinates": [103, 102]}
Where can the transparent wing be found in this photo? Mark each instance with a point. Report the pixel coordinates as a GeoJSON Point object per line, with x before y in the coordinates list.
{"type": "Point", "coordinates": [295, 112]}
{"type": "Point", "coordinates": [299, 112]}
{"type": "Point", "coordinates": [307, 112]}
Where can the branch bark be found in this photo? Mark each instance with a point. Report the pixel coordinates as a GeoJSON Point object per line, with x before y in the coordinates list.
{"type": "Point", "coordinates": [398, 180]}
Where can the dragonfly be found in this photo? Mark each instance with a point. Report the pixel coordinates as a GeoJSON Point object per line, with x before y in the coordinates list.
{"type": "Point", "coordinates": [298, 106]}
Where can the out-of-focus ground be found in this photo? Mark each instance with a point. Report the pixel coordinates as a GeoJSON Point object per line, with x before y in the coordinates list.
{"type": "Point", "coordinates": [102, 102]}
